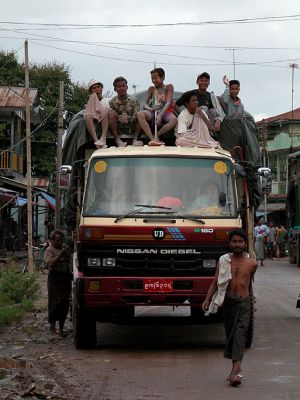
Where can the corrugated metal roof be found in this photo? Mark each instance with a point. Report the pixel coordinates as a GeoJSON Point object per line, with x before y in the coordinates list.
{"type": "Point", "coordinates": [287, 116]}
{"type": "Point", "coordinates": [14, 97]}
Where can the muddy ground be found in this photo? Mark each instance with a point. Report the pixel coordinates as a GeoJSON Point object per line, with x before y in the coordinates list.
{"type": "Point", "coordinates": [31, 362]}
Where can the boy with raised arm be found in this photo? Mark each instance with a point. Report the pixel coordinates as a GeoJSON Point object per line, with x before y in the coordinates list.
{"type": "Point", "coordinates": [233, 105]}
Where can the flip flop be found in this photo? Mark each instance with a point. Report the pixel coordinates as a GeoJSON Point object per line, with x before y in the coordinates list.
{"type": "Point", "coordinates": [155, 143]}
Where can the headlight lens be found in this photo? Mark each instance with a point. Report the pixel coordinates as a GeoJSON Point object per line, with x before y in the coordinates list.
{"type": "Point", "coordinates": [209, 263]}
{"type": "Point", "coordinates": [109, 262]}
{"type": "Point", "coordinates": [93, 262]}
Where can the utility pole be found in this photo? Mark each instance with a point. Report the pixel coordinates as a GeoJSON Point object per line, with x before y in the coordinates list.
{"type": "Point", "coordinates": [293, 66]}
{"type": "Point", "coordinates": [233, 58]}
{"type": "Point", "coordinates": [265, 162]}
{"type": "Point", "coordinates": [60, 127]}
{"type": "Point", "coordinates": [28, 162]}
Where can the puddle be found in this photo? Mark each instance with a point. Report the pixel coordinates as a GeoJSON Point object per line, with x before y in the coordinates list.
{"type": "Point", "coordinates": [3, 373]}
{"type": "Point", "coordinates": [10, 363]}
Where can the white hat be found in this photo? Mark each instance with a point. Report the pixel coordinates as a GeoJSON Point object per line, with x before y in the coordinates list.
{"type": "Point", "coordinates": [94, 82]}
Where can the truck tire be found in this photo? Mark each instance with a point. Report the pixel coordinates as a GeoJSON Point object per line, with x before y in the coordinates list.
{"type": "Point", "coordinates": [298, 251]}
{"type": "Point", "coordinates": [250, 331]}
{"type": "Point", "coordinates": [84, 326]}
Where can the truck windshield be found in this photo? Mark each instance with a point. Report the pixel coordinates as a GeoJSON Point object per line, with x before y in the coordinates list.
{"type": "Point", "coordinates": [200, 187]}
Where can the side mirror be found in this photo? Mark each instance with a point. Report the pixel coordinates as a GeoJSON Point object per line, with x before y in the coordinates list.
{"type": "Point", "coordinates": [265, 180]}
{"type": "Point", "coordinates": [222, 199]}
{"type": "Point", "coordinates": [65, 177]}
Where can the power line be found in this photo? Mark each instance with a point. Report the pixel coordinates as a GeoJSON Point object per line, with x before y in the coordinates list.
{"type": "Point", "coordinates": [152, 44]}
{"type": "Point", "coordinates": [197, 23]}
{"type": "Point", "coordinates": [222, 62]}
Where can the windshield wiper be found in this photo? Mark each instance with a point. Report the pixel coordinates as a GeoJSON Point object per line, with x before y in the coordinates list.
{"type": "Point", "coordinates": [191, 219]}
{"type": "Point", "coordinates": [141, 208]}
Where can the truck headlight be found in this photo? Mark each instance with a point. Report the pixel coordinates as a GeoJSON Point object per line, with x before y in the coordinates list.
{"type": "Point", "coordinates": [109, 262]}
{"type": "Point", "coordinates": [209, 263]}
{"type": "Point", "coordinates": [93, 262]}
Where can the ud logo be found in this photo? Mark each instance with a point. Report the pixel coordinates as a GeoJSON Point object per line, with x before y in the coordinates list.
{"type": "Point", "coordinates": [158, 234]}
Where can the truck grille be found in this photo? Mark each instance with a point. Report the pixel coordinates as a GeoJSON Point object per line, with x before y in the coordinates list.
{"type": "Point", "coordinates": [149, 264]}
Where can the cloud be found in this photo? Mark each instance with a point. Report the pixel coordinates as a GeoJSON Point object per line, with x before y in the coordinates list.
{"type": "Point", "coordinates": [265, 89]}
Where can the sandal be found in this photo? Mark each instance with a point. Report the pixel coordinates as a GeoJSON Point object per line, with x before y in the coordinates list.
{"type": "Point", "coordinates": [156, 143]}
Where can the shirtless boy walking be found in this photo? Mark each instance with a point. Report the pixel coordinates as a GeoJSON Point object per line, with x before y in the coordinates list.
{"type": "Point", "coordinates": [230, 288]}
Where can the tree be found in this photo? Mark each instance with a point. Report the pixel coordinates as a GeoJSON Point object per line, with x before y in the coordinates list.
{"type": "Point", "coordinates": [45, 77]}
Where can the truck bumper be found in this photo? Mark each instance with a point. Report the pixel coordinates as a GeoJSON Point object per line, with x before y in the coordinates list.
{"type": "Point", "coordinates": [124, 291]}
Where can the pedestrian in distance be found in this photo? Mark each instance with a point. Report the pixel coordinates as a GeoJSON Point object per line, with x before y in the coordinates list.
{"type": "Point", "coordinates": [231, 289]}
{"type": "Point", "coordinates": [158, 109]}
{"type": "Point", "coordinates": [59, 281]}
{"type": "Point", "coordinates": [271, 240]}
{"type": "Point", "coordinates": [260, 240]}
{"type": "Point", "coordinates": [96, 112]}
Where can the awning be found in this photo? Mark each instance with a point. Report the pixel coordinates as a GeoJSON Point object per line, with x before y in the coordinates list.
{"type": "Point", "coordinates": [271, 207]}
{"type": "Point", "coordinates": [12, 197]}
{"type": "Point", "coordinates": [50, 200]}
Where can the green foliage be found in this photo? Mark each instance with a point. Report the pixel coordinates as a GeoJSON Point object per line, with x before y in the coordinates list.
{"type": "Point", "coordinates": [12, 73]}
{"type": "Point", "coordinates": [45, 77]}
{"type": "Point", "coordinates": [17, 294]}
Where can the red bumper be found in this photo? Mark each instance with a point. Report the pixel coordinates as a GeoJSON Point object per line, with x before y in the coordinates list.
{"type": "Point", "coordinates": [124, 291]}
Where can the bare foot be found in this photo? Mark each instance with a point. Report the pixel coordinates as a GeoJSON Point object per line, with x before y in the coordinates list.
{"type": "Point", "coordinates": [137, 143]}
{"type": "Point", "coordinates": [120, 143]}
{"type": "Point", "coordinates": [234, 380]}
{"type": "Point", "coordinates": [100, 144]}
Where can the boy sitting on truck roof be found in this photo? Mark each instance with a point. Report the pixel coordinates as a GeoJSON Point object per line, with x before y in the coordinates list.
{"type": "Point", "coordinates": [123, 112]}
{"type": "Point", "coordinates": [159, 107]}
{"type": "Point", "coordinates": [191, 129]}
{"type": "Point", "coordinates": [97, 111]}
{"type": "Point", "coordinates": [204, 98]}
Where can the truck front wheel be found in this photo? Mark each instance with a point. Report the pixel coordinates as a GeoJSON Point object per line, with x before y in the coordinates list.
{"type": "Point", "coordinates": [84, 325]}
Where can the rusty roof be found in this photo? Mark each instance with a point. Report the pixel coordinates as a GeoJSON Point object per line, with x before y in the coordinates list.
{"type": "Point", "coordinates": [287, 116]}
{"type": "Point", "coordinates": [14, 97]}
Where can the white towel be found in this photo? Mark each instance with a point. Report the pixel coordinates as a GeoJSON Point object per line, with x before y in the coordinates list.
{"type": "Point", "coordinates": [223, 279]}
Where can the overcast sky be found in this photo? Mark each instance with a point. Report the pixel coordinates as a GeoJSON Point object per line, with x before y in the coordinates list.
{"type": "Point", "coordinates": [266, 89]}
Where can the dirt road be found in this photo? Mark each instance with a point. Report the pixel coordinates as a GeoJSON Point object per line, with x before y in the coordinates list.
{"type": "Point", "coordinates": [157, 358]}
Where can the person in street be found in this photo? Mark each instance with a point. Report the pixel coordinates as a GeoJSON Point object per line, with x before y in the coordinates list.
{"type": "Point", "coordinates": [158, 110]}
{"type": "Point", "coordinates": [96, 111]}
{"type": "Point", "coordinates": [59, 281]}
{"type": "Point", "coordinates": [271, 240]}
{"type": "Point", "coordinates": [191, 129]}
{"type": "Point", "coordinates": [231, 288]}
{"type": "Point", "coordinates": [123, 113]}
{"type": "Point", "coordinates": [233, 105]}
{"type": "Point", "coordinates": [204, 98]}
{"type": "Point", "coordinates": [260, 239]}
{"type": "Point", "coordinates": [280, 239]}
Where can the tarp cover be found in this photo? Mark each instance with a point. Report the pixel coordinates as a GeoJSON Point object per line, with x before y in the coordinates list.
{"type": "Point", "coordinates": [77, 139]}
{"type": "Point", "coordinates": [243, 132]}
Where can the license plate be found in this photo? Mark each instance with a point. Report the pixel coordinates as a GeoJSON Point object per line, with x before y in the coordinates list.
{"type": "Point", "coordinates": [158, 285]}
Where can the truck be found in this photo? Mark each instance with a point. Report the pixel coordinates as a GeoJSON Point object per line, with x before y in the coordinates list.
{"type": "Point", "coordinates": [145, 234]}
{"type": "Point", "coordinates": [293, 208]}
